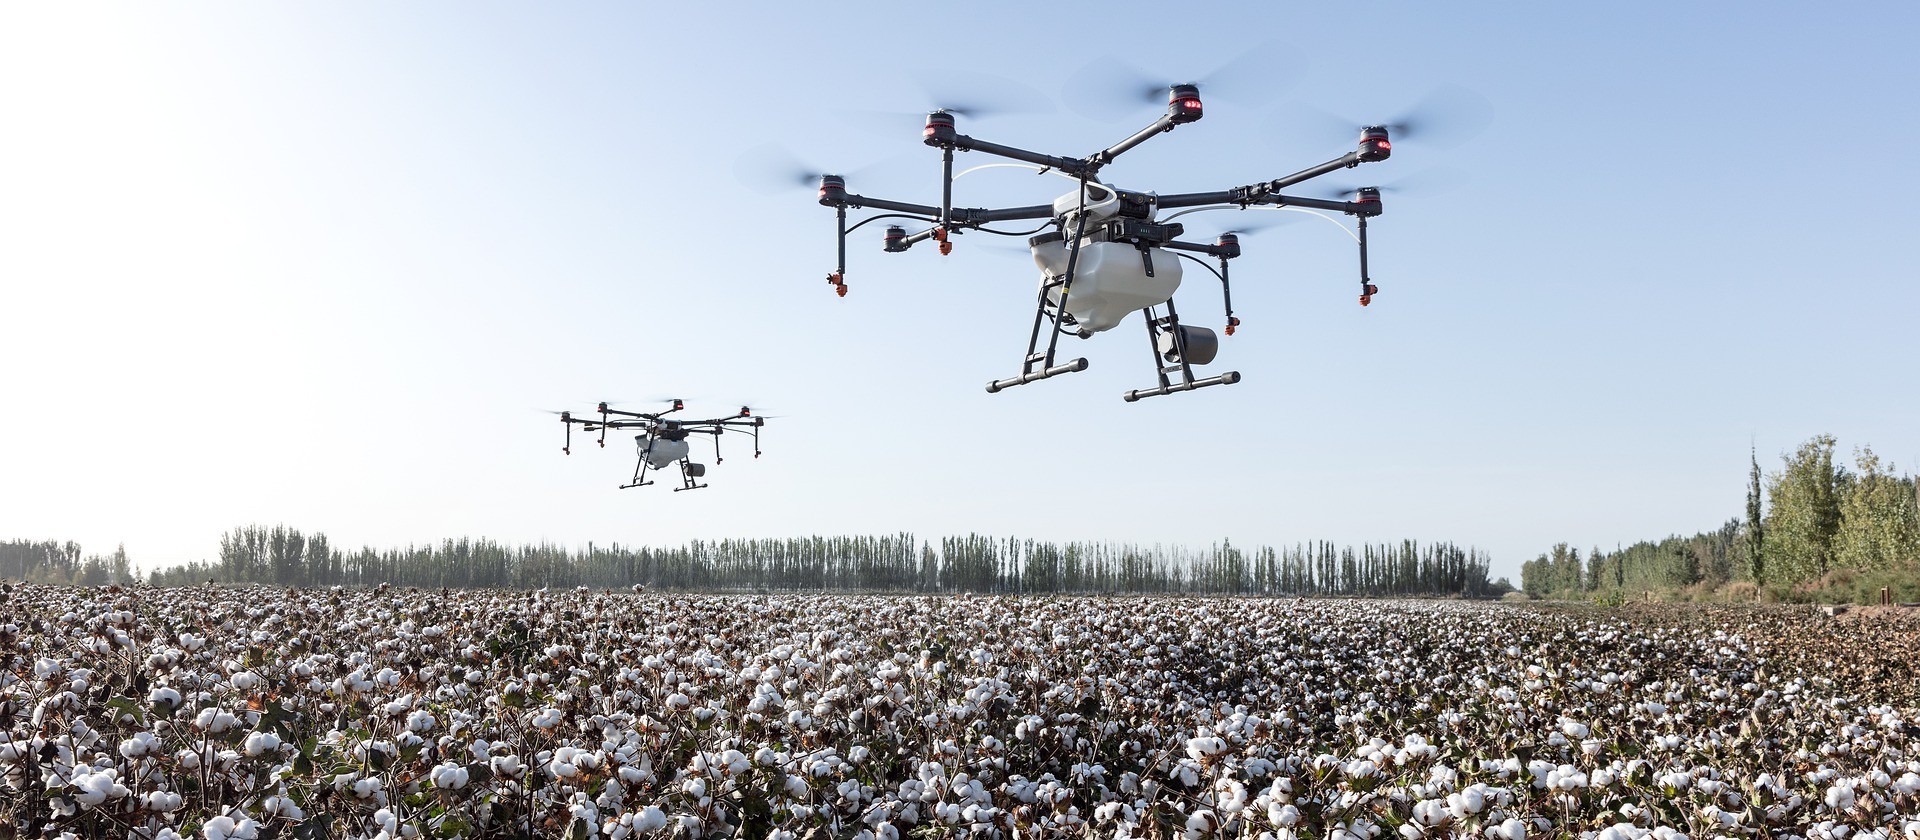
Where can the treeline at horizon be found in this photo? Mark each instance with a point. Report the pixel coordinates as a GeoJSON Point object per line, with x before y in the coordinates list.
{"type": "Point", "coordinates": [283, 556]}
{"type": "Point", "coordinates": [1812, 530]}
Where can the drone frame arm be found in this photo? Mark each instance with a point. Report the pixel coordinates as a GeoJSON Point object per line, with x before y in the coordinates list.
{"type": "Point", "coordinates": [1268, 192]}
{"type": "Point", "coordinates": [1076, 167]}
{"type": "Point", "coordinates": [1164, 124]}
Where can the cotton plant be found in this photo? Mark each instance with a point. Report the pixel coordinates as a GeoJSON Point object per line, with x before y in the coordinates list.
{"type": "Point", "coordinates": [392, 713]}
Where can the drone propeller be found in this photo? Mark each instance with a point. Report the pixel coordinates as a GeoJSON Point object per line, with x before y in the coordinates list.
{"type": "Point", "coordinates": [772, 168]}
{"type": "Point", "coordinates": [1111, 88]}
{"type": "Point", "coordinates": [969, 96]}
{"type": "Point", "coordinates": [1446, 118]}
{"type": "Point", "coordinates": [979, 95]}
{"type": "Point", "coordinates": [1268, 220]}
{"type": "Point", "coordinates": [1430, 182]}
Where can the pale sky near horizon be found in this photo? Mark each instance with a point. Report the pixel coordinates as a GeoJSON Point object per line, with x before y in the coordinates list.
{"type": "Point", "coordinates": [323, 264]}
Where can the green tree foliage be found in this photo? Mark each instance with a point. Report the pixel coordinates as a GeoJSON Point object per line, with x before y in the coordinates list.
{"type": "Point", "coordinates": [1818, 519]}
{"type": "Point", "coordinates": [1879, 527]}
{"type": "Point", "coordinates": [1755, 543]}
{"type": "Point", "coordinates": [893, 563]}
{"type": "Point", "coordinates": [56, 562]}
{"type": "Point", "coordinates": [1804, 512]}
{"type": "Point", "coordinates": [1673, 563]}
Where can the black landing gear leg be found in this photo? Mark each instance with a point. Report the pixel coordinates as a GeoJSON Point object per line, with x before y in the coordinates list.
{"type": "Point", "coordinates": [690, 474]}
{"type": "Point", "coordinates": [1166, 332]}
{"type": "Point", "coordinates": [1039, 365]}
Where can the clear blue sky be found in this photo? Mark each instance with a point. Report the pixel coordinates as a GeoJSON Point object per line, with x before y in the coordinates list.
{"type": "Point", "coordinates": [321, 263]}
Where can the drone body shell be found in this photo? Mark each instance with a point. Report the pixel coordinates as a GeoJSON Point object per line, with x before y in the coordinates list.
{"type": "Point", "coordinates": [1109, 280]}
{"type": "Point", "coordinates": [662, 453]}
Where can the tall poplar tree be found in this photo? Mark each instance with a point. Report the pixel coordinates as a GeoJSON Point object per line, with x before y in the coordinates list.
{"type": "Point", "coordinates": [1756, 529]}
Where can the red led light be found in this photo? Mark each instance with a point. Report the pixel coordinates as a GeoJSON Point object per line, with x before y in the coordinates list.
{"type": "Point", "coordinates": [1385, 145]}
{"type": "Point", "coordinates": [1190, 103]}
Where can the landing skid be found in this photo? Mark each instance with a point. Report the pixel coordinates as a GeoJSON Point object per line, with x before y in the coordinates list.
{"type": "Point", "coordinates": [1167, 332]}
{"type": "Point", "coordinates": [1038, 363]}
{"type": "Point", "coordinates": [689, 476]}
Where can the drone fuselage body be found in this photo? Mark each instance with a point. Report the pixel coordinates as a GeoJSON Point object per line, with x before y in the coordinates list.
{"type": "Point", "coordinates": [1110, 278]}
{"type": "Point", "coordinates": [661, 453]}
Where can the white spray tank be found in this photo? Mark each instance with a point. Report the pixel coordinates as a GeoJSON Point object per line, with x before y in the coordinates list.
{"type": "Point", "coordinates": [662, 453]}
{"type": "Point", "coordinates": [1110, 279]}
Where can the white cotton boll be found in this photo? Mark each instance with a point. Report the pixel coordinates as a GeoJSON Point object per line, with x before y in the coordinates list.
{"type": "Point", "coordinates": [1429, 812]}
{"type": "Point", "coordinates": [140, 744]}
{"type": "Point", "coordinates": [214, 721]}
{"type": "Point", "coordinates": [224, 827]}
{"type": "Point", "coordinates": [1840, 797]}
{"type": "Point", "coordinates": [450, 776]}
{"type": "Point", "coordinates": [94, 789]}
{"type": "Point", "coordinates": [1200, 748]}
{"type": "Point", "coordinates": [548, 718]}
{"type": "Point", "coordinates": [280, 806]}
{"type": "Point", "coordinates": [1467, 802]}
{"type": "Point", "coordinates": [1187, 773]}
{"type": "Point", "coordinates": [245, 681]}
{"type": "Point", "coordinates": [164, 699]}
{"type": "Point", "coordinates": [505, 765]}
{"type": "Point", "coordinates": [1201, 823]}
{"type": "Point", "coordinates": [187, 759]}
{"type": "Point", "coordinates": [260, 743]}
{"type": "Point", "coordinates": [366, 788]}
{"type": "Point", "coordinates": [1574, 729]}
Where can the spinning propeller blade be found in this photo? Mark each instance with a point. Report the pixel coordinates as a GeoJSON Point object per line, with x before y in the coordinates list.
{"type": "Point", "coordinates": [1446, 118]}
{"type": "Point", "coordinates": [979, 95]}
{"type": "Point", "coordinates": [969, 96]}
{"type": "Point", "coordinates": [1426, 182]}
{"type": "Point", "coordinates": [773, 168]}
{"type": "Point", "coordinates": [1112, 88]}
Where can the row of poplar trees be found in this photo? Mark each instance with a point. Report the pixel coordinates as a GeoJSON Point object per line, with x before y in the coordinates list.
{"type": "Point", "coordinates": [51, 561]}
{"type": "Point", "coordinates": [285, 556]}
{"type": "Point", "coordinates": [1812, 518]}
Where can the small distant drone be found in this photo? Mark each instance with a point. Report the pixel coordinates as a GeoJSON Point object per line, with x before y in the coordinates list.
{"type": "Point", "coordinates": [661, 441]}
{"type": "Point", "coordinates": [1108, 254]}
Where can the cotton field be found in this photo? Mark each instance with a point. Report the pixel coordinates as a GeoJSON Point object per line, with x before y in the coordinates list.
{"type": "Point", "coordinates": [254, 713]}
